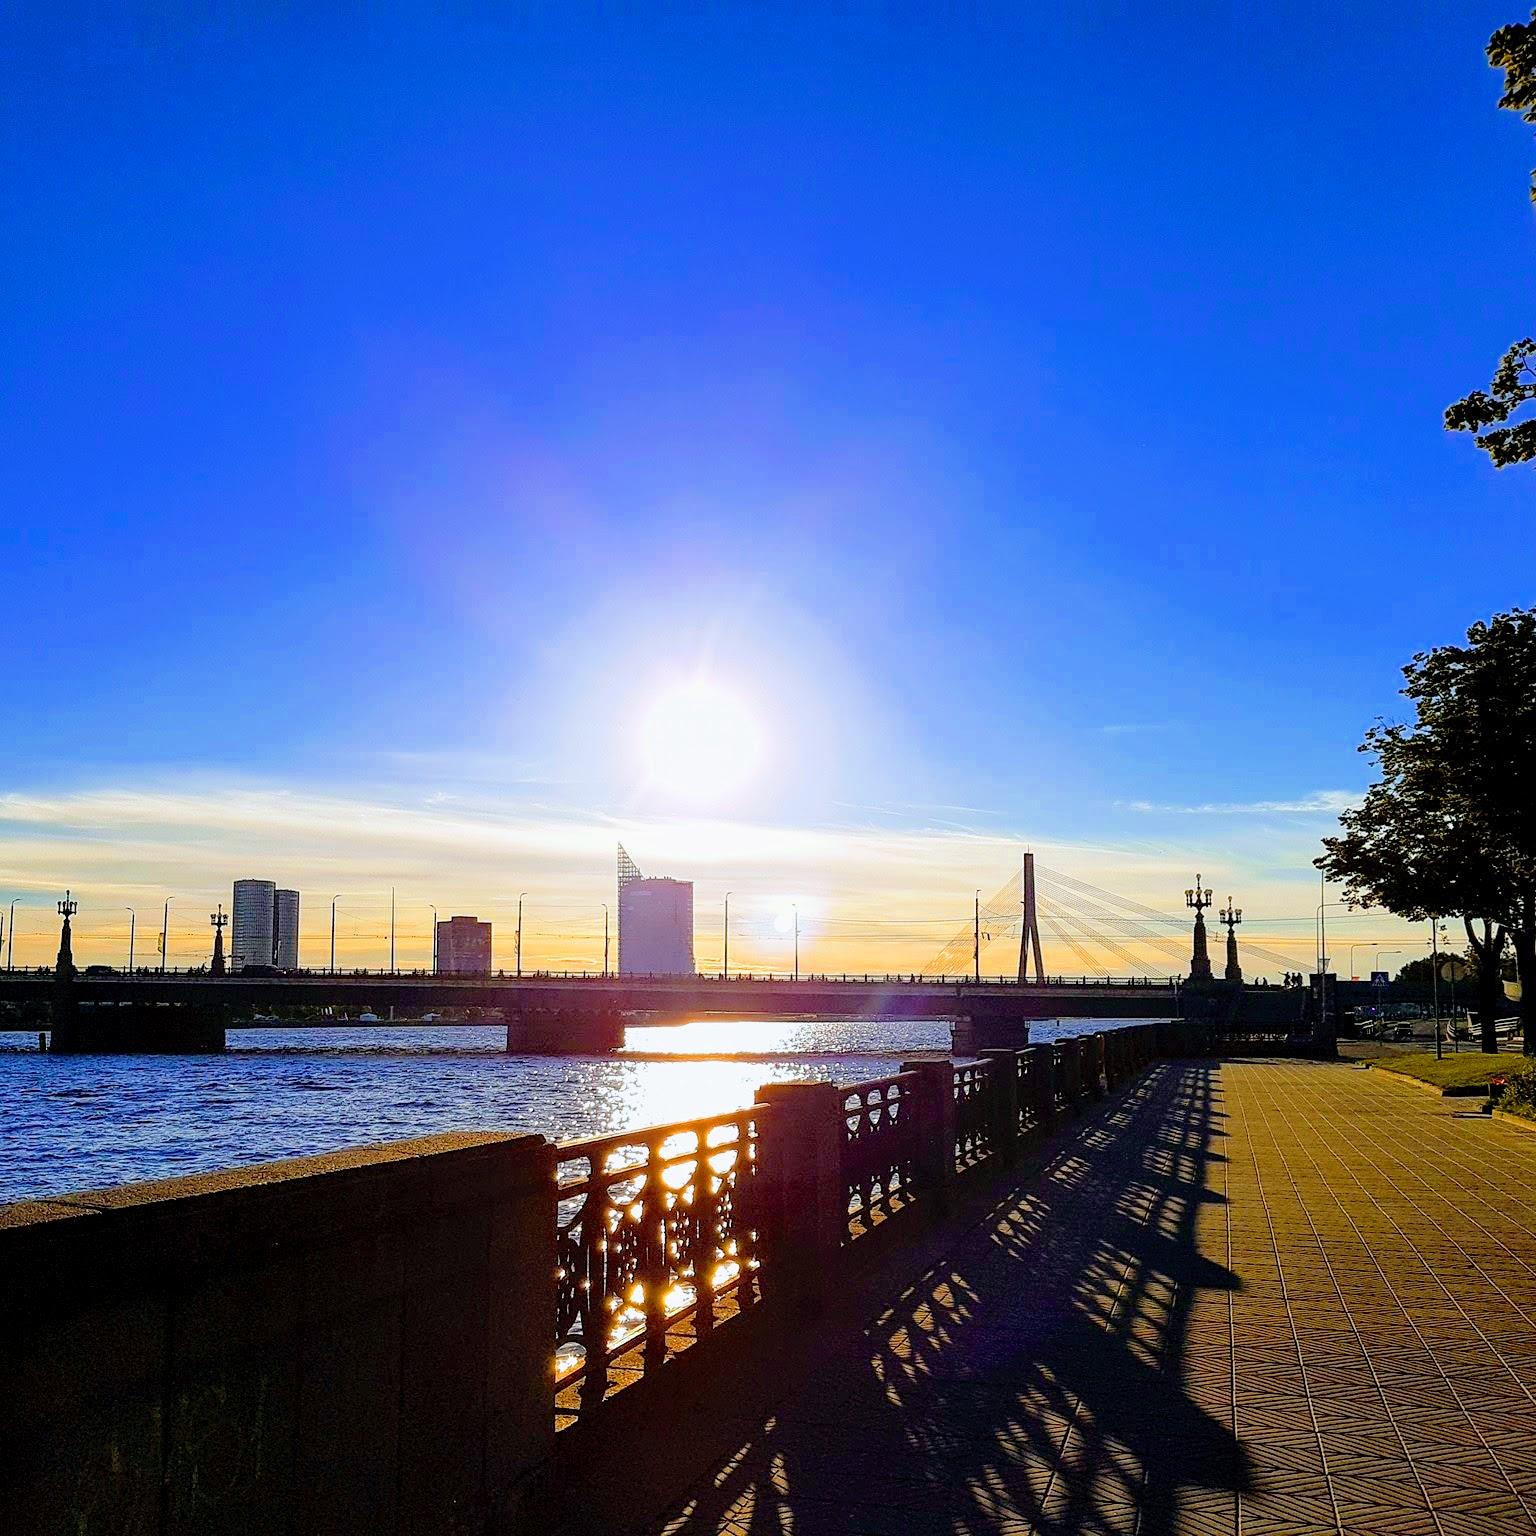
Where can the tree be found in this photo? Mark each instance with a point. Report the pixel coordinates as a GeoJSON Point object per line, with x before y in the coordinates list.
{"type": "Point", "coordinates": [1512, 49]}
{"type": "Point", "coordinates": [1450, 827]}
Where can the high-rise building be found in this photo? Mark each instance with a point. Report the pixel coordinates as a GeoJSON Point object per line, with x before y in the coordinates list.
{"type": "Point", "coordinates": [266, 926]}
{"type": "Point", "coordinates": [255, 909]}
{"type": "Point", "coordinates": [285, 930]}
{"type": "Point", "coordinates": [655, 923]}
{"type": "Point", "coordinates": [463, 947]}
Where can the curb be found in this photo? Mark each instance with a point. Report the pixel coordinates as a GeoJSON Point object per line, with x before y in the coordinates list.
{"type": "Point", "coordinates": [1472, 1092]}
{"type": "Point", "coordinates": [1520, 1122]}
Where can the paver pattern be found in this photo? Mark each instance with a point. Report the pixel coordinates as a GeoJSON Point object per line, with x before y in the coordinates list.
{"type": "Point", "coordinates": [1258, 1297]}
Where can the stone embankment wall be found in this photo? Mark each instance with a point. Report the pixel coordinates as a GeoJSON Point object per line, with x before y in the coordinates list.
{"type": "Point", "coordinates": [462, 1333]}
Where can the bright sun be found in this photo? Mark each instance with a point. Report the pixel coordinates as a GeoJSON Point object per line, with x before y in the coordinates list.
{"type": "Point", "coordinates": [699, 740]}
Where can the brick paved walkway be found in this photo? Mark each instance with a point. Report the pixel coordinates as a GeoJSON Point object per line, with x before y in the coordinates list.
{"type": "Point", "coordinates": [1259, 1297]}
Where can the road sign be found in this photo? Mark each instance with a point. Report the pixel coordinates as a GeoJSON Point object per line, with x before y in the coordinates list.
{"type": "Point", "coordinates": [1452, 969]}
{"type": "Point", "coordinates": [1378, 978]}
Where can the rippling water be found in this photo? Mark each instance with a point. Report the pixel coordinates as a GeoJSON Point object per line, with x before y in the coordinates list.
{"type": "Point", "coordinates": [85, 1122]}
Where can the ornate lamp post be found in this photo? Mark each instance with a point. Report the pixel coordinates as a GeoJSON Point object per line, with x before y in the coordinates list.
{"type": "Point", "coordinates": [1198, 899]}
{"type": "Point", "coordinates": [1232, 916]}
{"type": "Point", "coordinates": [66, 961]}
{"type": "Point", "coordinates": [218, 920]}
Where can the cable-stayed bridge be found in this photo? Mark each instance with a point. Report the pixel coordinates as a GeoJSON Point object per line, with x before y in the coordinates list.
{"type": "Point", "coordinates": [1107, 935]}
{"type": "Point", "coordinates": [1165, 976]}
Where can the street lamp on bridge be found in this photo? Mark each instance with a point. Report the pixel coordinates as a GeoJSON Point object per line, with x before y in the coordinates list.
{"type": "Point", "coordinates": [725, 962]}
{"type": "Point", "coordinates": [133, 923]}
{"type": "Point", "coordinates": [10, 935]}
{"type": "Point", "coordinates": [1198, 898]}
{"type": "Point", "coordinates": [66, 961]}
{"type": "Point", "coordinates": [334, 900]}
{"type": "Point", "coordinates": [520, 896]}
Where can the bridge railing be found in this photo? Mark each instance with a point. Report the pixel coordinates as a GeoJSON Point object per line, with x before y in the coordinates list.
{"type": "Point", "coordinates": [806, 978]}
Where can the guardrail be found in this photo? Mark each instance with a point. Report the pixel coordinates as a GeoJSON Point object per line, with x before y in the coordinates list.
{"type": "Point", "coordinates": [819, 978]}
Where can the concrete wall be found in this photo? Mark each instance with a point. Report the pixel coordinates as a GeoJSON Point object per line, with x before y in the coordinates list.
{"type": "Point", "coordinates": [353, 1343]}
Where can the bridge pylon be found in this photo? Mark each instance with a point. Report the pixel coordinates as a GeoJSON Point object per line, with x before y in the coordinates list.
{"type": "Point", "coordinates": [1029, 929]}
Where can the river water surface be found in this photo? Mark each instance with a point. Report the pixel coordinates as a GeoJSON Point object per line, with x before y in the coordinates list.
{"type": "Point", "coordinates": [86, 1122]}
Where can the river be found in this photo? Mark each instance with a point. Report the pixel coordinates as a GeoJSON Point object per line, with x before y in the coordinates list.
{"type": "Point", "coordinates": [71, 1123]}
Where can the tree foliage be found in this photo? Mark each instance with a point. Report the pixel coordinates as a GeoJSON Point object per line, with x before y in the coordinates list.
{"type": "Point", "coordinates": [1513, 385]}
{"type": "Point", "coordinates": [1450, 826]}
{"type": "Point", "coordinates": [1512, 49]}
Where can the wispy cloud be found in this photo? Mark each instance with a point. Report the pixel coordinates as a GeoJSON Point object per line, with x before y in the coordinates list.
{"type": "Point", "coordinates": [1323, 802]}
{"type": "Point", "coordinates": [1132, 727]}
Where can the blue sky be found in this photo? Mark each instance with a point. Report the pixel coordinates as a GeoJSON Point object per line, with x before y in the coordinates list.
{"type": "Point", "coordinates": [1034, 419]}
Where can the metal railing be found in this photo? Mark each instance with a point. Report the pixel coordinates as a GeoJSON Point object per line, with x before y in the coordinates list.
{"type": "Point", "coordinates": [664, 1235]}
{"type": "Point", "coordinates": [975, 1115]}
{"type": "Point", "coordinates": [659, 1238]}
{"type": "Point", "coordinates": [469, 978]}
{"type": "Point", "coordinates": [879, 1150]}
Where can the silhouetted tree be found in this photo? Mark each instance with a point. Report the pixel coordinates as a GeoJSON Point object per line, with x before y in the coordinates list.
{"type": "Point", "coordinates": [1450, 828]}
{"type": "Point", "coordinates": [1512, 49]}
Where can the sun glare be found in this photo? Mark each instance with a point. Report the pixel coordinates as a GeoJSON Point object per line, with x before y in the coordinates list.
{"type": "Point", "coordinates": [700, 741]}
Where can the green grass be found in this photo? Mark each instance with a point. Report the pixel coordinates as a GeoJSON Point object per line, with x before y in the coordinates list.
{"type": "Point", "coordinates": [1466, 1069]}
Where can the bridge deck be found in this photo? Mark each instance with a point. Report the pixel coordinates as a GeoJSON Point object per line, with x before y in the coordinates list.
{"type": "Point", "coordinates": [1260, 1297]}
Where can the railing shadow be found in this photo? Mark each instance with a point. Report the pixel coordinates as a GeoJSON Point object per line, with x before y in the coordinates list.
{"type": "Point", "coordinates": [1037, 1379]}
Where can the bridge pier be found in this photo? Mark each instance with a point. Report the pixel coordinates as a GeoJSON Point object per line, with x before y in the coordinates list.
{"type": "Point", "coordinates": [988, 1030]}
{"type": "Point", "coordinates": [564, 1031]}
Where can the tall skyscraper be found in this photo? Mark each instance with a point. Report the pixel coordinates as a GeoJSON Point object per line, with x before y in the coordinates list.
{"type": "Point", "coordinates": [266, 926]}
{"type": "Point", "coordinates": [255, 909]}
{"type": "Point", "coordinates": [463, 947]}
{"type": "Point", "coordinates": [655, 923]}
{"type": "Point", "coordinates": [285, 930]}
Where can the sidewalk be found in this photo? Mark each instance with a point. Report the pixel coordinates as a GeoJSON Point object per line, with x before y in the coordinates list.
{"type": "Point", "coordinates": [1267, 1297]}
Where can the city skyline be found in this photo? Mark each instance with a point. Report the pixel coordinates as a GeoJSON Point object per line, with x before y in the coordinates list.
{"type": "Point", "coordinates": [565, 926]}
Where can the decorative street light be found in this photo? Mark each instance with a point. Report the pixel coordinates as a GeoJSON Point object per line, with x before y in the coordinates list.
{"type": "Point", "coordinates": [1198, 898]}
{"type": "Point", "coordinates": [1231, 917]}
{"type": "Point", "coordinates": [66, 962]}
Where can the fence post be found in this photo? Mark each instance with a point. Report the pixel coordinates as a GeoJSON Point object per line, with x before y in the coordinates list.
{"type": "Point", "coordinates": [1003, 1092]}
{"type": "Point", "coordinates": [1045, 1088]}
{"type": "Point", "coordinates": [935, 1155]}
{"type": "Point", "coordinates": [805, 1169]}
{"type": "Point", "coordinates": [1096, 1084]}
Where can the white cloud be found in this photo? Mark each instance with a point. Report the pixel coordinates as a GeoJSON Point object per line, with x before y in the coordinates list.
{"type": "Point", "coordinates": [1323, 802]}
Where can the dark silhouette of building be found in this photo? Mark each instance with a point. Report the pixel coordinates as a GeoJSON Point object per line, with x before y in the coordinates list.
{"type": "Point", "coordinates": [463, 947]}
